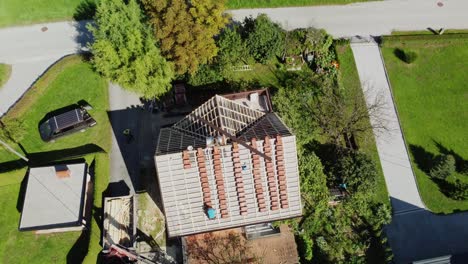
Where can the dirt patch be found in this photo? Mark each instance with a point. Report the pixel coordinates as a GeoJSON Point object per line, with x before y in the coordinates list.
{"type": "Point", "coordinates": [278, 249]}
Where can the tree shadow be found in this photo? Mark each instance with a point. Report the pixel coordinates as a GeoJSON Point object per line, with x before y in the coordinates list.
{"type": "Point", "coordinates": [400, 54]}
{"type": "Point", "coordinates": [148, 239]}
{"type": "Point", "coordinates": [62, 155]}
{"type": "Point", "coordinates": [84, 38]}
{"type": "Point", "coordinates": [79, 250]}
{"type": "Point", "coordinates": [424, 160]}
{"type": "Point", "coordinates": [461, 164]}
{"type": "Point", "coordinates": [12, 165]}
{"type": "Point", "coordinates": [116, 189]}
{"type": "Point", "coordinates": [85, 10]}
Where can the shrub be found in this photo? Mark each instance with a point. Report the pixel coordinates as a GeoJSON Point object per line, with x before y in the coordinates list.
{"type": "Point", "coordinates": [444, 167]}
{"type": "Point", "coordinates": [357, 170]}
{"type": "Point", "coordinates": [206, 74]}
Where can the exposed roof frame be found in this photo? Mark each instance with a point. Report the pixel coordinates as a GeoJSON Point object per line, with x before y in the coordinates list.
{"type": "Point", "coordinates": [223, 113]}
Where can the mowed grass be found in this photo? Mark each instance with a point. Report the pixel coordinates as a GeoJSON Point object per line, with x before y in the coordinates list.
{"type": "Point", "coordinates": [5, 71]}
{"type": "Point", "coordinates": [66, 83]}
{"type": "Point", "coordinates": [237, 4]}
{"type": "Point", "coordinates": [349, 80]}
{"type": "Point", "coordinates": [15, 12]}
{"type": "Point", "coordinates": [431, 96]}
{"type": "Point", "coordinates": [70, 80]}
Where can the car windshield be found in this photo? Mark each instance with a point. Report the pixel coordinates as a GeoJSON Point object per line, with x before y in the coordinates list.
{"type": "Point", "coordinates": [45, 129]}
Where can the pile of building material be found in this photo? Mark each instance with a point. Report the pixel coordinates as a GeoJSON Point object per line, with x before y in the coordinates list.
{"type": "Point", "coordinates": [119, 222]}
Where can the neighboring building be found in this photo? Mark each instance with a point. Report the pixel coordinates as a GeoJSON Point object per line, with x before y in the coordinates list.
{"type": "Point", "coordinates": [55, 198]}
{"type": "Point", "coordinates": [229, 163]}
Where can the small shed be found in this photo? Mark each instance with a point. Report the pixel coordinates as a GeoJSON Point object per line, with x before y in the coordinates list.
{"type": "Point", "coordinates": [55, 198]}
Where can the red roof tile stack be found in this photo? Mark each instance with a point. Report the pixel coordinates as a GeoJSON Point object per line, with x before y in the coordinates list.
{"type": "Point", "coordinates": [218, 171]}
{"type": "Point", "coordinates": [280, 169]}
{"type": "Point", "coordinates": [186, 159]}
{"type": "Point", "coordinates": [258, 179]}
{"type": "Point", "coordinates": [270, 174]}
{"type": "Point", "coordinates": [203, 177]}
{"type": "Point", "coordinates": [238, 178]}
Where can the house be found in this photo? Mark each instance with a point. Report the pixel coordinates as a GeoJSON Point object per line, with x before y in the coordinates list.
{"type": "Point", "coordinates": [230, 163]}
{"type": "Point", "coordinates": [55, 198]}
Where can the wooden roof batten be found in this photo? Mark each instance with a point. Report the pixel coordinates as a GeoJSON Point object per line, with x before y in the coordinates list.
{"type": "Point", "coordinates": [226, 114]}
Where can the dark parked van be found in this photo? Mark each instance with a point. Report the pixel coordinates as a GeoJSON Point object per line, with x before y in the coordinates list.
{"type": "Point", "coordinates": [67, 123]}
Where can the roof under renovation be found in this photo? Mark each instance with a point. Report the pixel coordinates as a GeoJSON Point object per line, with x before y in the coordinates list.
{"type": "Point", "coordinates": [232, 157]}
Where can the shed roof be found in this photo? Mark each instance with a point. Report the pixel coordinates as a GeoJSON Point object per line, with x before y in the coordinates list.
{"type": "Point", "coordinates": [54, 201]}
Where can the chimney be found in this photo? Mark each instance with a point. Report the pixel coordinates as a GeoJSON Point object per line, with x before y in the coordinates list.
{"type": "Point", "coordinates": [62, 172]}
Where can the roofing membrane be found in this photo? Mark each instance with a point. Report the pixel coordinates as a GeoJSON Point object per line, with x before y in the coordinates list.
{"type": "Point", "coordinates": [52, 200]}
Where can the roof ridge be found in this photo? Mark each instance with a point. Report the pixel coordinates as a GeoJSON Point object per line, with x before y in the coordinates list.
{"type": "Point", "coordinates": [224, 113]}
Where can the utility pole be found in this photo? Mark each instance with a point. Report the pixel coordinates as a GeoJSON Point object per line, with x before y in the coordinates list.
{"type": "Point", "coordinates": [13, 151]}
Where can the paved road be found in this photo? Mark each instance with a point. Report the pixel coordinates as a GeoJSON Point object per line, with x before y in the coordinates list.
{"type": "Point", "coordinates": [371, 18]}
{"type": "Point", "coordinates": [31, 51]}
{"type": "Point", "coordinates": [422, 234]}
{"type": "Point", "coordinates": [393, 155]}
{"type": "Point", "coordinates": [124, 157]}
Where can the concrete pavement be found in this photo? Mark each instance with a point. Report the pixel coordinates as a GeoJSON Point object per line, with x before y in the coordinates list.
{"type": "Point", "coordinates": [31, 52]}
{"type": "Point", "coordinates": [401, 183]}
{"type": "Point", "coordinates": [369, 18]}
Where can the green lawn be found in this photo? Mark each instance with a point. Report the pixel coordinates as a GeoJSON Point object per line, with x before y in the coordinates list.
{"type": "Point", "coordinates": [237, 4]}
{"type": "Point", "coordinates": [5, 71]}
{"type": "Point", "coordinates": [14, 12]}
{"type": "Point", "coordinates": [66, 83]}
{"type": "Point", "coordinates": [431, 96]}
{"type": "Point", "coordinates": [349, 80]}
{"type": "Point", "coordinates": [69, 81]}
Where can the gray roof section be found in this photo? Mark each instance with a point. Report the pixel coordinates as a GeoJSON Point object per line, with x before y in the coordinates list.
{"type": "Point", "coordinates": [171, 141]}
{"type": "Point", "coordinates": [53, 202]}
{"type": "Point", "coordinates": [268, 125]}
{"type": "Point", "coordinates": [183, 197]}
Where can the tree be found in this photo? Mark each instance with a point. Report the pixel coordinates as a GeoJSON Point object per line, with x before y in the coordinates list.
{"type": "Point", "coordinates": [357, 170]}
{"type": "Point", "coordinates": [125, 52]}
{"type": "Point", "coordinates": [186, 30]}
{"type": "Point", "coordinates": [206, 74]}
{"type": "Point", "coordinates": [296, 101]}
{"type": "Point", "coordinates": [220, 249]}
{"type": "Point", "coordinates": [444, 167]}
{"type": "Point", "coordinates": [232, 49]}
{"type": "Point", "coordinates": [264, 38]}
{"type": "Point", "coordinates": [313, 180]}
{"type": "Point", "coordinates": [338, 115]}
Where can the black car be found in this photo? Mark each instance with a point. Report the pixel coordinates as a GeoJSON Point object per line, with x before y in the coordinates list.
{"type": "Point", "coordinates": [64, 124]}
